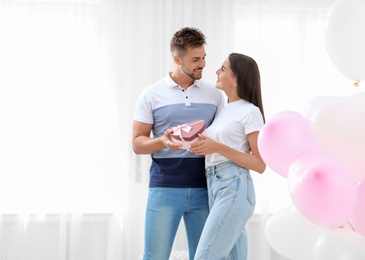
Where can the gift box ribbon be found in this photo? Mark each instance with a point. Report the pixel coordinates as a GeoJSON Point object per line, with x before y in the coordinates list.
{"type": "Point", "coordinates": [185, 127]}
{"type": "Point", "coordinates": [177, 130]}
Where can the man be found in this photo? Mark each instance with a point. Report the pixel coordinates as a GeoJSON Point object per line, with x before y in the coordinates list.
{"type": "Point", "coordinates": [177, 186]}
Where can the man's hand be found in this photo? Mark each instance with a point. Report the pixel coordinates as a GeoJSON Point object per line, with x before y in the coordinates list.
{"type": "Point", "coordinates": [166, 140]}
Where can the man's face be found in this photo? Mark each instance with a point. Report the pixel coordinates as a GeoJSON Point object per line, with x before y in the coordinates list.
{"type": "Point", "coordinates": [193, 62]}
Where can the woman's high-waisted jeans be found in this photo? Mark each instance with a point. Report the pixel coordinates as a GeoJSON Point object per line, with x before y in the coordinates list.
{"type": "Point", "coordinates": [232, 202]}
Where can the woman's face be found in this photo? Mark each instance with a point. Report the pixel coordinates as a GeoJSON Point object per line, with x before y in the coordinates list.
{"type": "Point", "coordinates": [226, 80]}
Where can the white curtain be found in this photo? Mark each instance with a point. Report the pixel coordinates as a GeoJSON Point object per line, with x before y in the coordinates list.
{"type": "Point", "coordinates": [71, 71]}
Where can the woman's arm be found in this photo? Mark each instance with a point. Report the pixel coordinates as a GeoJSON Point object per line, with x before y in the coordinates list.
{"type": "Point", "coordinates": [252, 161]}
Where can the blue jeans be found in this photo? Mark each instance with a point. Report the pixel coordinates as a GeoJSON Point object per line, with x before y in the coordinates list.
{"type": "Point", "coordinates": [232, 202]}
{"type": "Point", "coordinates": [165, 208]}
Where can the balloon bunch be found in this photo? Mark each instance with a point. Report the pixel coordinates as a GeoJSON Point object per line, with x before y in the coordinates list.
{"type": "Point", "coordinates": [321, 153]}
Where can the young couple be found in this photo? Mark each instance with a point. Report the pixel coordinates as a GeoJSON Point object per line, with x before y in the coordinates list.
{"type": "Point", "coordinates": [209, 185]}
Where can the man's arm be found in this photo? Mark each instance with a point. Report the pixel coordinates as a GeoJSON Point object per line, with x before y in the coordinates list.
{"type": "Point", "coordinates": [142, 142]}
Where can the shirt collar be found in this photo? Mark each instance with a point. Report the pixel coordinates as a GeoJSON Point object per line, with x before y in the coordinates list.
{"type": "Point", "coordinates": [171, 84]}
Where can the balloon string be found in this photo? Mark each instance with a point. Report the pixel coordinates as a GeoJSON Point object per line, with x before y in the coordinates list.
{"type": "Point", "coordinates": [360, 98]}
{"type": "Point", "coordinates": [351, 226]}
{"type": "Point", "coordinates": [357, 84]}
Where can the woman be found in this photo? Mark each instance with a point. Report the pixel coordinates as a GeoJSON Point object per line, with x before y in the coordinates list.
{"type": "Point", "coordinates": [231, 151]}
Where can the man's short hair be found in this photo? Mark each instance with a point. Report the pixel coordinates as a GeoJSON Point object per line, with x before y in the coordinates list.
{"type": "Point", "coordinates": [187, 37]}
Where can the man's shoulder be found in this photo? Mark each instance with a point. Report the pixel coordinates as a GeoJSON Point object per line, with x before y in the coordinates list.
{"type": "Point", "coordinates": [206, 85]}
{"type": "Point", "coordinates": [211, 90]}
{"type": "Point", "coordinates": [156, 86]}
{"type": "Point", "coordinates": [159, 83]}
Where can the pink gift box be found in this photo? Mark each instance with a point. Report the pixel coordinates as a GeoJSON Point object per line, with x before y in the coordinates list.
{"type": "Point", "coordinates": [188, 134]}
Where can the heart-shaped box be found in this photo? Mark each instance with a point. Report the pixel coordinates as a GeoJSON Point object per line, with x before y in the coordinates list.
{"type": "Point", "coordinates": [188, 133]}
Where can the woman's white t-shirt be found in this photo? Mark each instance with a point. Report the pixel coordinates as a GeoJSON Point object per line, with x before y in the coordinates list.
{"type": "Point", "coordinates": [231, 126]}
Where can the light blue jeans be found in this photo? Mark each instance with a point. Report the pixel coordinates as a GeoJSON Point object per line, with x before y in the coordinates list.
{"type": "Point", "coordinates": [165, 208]}
{"type": "Point", "coordinates": [232, 202]}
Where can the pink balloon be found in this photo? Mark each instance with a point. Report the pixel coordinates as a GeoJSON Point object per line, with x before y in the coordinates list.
{"type": "Point", "coordinates": [285, 136]}
{"type": "Point", "coordinates": [322, 189]}
{"type": "Point", "coordinates": [358, 219]}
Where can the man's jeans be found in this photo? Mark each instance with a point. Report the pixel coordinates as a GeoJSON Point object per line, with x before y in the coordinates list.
{"type": "Point", "coordinates": [232, 202]}
{"type": "Point", "coordinates": [165, 208]}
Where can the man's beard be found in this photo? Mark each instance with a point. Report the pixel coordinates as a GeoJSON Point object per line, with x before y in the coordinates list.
{"type": "Point", "coordinates": [191, 75]}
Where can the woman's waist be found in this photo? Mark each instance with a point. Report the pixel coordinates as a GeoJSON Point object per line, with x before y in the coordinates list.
{"type": "Point", "coordinates": [222, 165]}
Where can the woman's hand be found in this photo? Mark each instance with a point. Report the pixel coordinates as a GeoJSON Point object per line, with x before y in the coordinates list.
{"type": "Point", "coordinates": [204, 146]}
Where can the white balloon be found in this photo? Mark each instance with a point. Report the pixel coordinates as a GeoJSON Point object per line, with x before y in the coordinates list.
{"type": "Point", "coordinates": [344, 37]}
{"type": "Point", "coordinates": [340, 244]}
{"type": "Point", "coordinates": [313, 105]}
{"type": "Point", "coordinates": [339, 125]}
{"type": "Point", "coordinates": [292, 235]}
